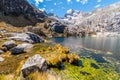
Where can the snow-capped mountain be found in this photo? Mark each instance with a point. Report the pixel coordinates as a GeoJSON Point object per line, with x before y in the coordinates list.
{"type": "Point", "coordinates": [72, 13]}
{"type": "Point", "coordinates": [100, 20]}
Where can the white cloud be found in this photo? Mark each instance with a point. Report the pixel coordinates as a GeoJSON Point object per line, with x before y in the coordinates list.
{"type": "Point", "coordinates": [55, 4]}
{"type": "Point", "coordinates": [77, 0]}
{"type": "Point", "coordinates": [99, 0]}
{"type": "Point", "coordinates": [84, 1]}
{"type": "Point", "coordinates": [97, 6]}
{"type": "Point", "coordinates": [68, 0]}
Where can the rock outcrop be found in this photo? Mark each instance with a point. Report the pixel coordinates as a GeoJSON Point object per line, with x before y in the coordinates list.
{"type": "Point", "coordinates": [21, 48]}
{"type": "Point", "coordinates": [26, 37]}
{"type": "Point", "coordinates": [23, 8]}
{"type": "Point", "coordinates": [57, 27]}
{"type": "Point", "coordinates": [35, 63]}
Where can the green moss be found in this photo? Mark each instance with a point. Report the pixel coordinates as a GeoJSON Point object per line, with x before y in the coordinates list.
{"type": "Point", "coordinates": [87, 72]}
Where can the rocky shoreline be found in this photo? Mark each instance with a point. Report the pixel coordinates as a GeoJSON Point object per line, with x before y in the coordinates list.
{"type": "Point", "coordinates": [36, 58]}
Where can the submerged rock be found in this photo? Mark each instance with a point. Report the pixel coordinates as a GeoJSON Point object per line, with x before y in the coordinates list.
{"type": "Point", "coordinates": [27, 37]}
{"type": "Point", "coordinates": [1, 59]}
{"type": "Point", "coordinates": [80, 63]}
{"type": "Point", "coordinates": [21, 48]}
{"type": "Point", "coordinates": [61, 66]}
{"type": "Point", "coordinates": [35, 63]}
{"type": "Point", "coordinates": [84, 73]}
{"type": "Point", "coordinates": [9, 44]}
{"type": "Point", "coordinates": [94, 66]}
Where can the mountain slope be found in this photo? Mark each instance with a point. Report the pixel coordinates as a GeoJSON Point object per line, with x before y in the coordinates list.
{"type": "Point", "coordinates": [20, 9]}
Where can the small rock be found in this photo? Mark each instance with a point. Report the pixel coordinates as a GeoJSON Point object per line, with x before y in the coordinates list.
{"type": "Point", "coordinates": [35, 63]}
{"type": "Point", "coordinates": [21, 48]}
{"type": "Point", "coordinates": [9, 44]}
{"type": "Point", "coordinates": [1, 59]}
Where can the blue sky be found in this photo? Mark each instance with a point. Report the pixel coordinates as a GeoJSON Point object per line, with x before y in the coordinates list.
{"type": "Point", "coordinates": [60, 7]}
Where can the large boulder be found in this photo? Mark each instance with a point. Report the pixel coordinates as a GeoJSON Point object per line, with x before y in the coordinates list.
{"type": "Point", "coordinates": [35, 63]}
{"type": "Point", "coordinates": [26, 37]}
{"type": "Point", "coordinates": [35, 38]}
{"type": "Point", "coordinates": [21, 48]}
{"type": "Point", "coordinates": [9, 44]}
{"type": "Point", "coordinates": [58, 27]}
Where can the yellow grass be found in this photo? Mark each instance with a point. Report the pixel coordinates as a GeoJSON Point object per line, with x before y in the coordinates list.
{"type": "Point", "coordinates": [6, 77]}
{"type": "Point", "coordinates": [42, 76]}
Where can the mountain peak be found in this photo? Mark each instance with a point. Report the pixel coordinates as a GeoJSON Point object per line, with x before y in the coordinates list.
{"type": "Point", "coordinates": [72, 12]}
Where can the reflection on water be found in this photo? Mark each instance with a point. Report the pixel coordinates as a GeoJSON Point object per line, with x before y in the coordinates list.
{"type": "Point", "coordinates": [105, 44]}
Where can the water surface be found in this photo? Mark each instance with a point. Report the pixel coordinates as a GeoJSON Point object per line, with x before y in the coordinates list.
{"type": "Point", "coordinates": [109, 45]}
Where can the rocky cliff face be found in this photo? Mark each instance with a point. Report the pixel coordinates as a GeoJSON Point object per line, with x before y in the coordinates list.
{"type": "Point", "coordinates": [21, 8]}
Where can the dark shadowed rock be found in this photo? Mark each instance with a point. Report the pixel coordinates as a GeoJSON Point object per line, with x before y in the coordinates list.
{"type": "Point", "coordinates": [21, 48]}
{"type": "Point", "coordinates": [35, 63]}
{"type": "Point", "coordinates": [58, 27]}
{"type": "Point", "coordinates": [35, 38]}
{"type": "Point", "coordinates": [9, 44]}
{"type": "Point", "coordinates": [17, 50]}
